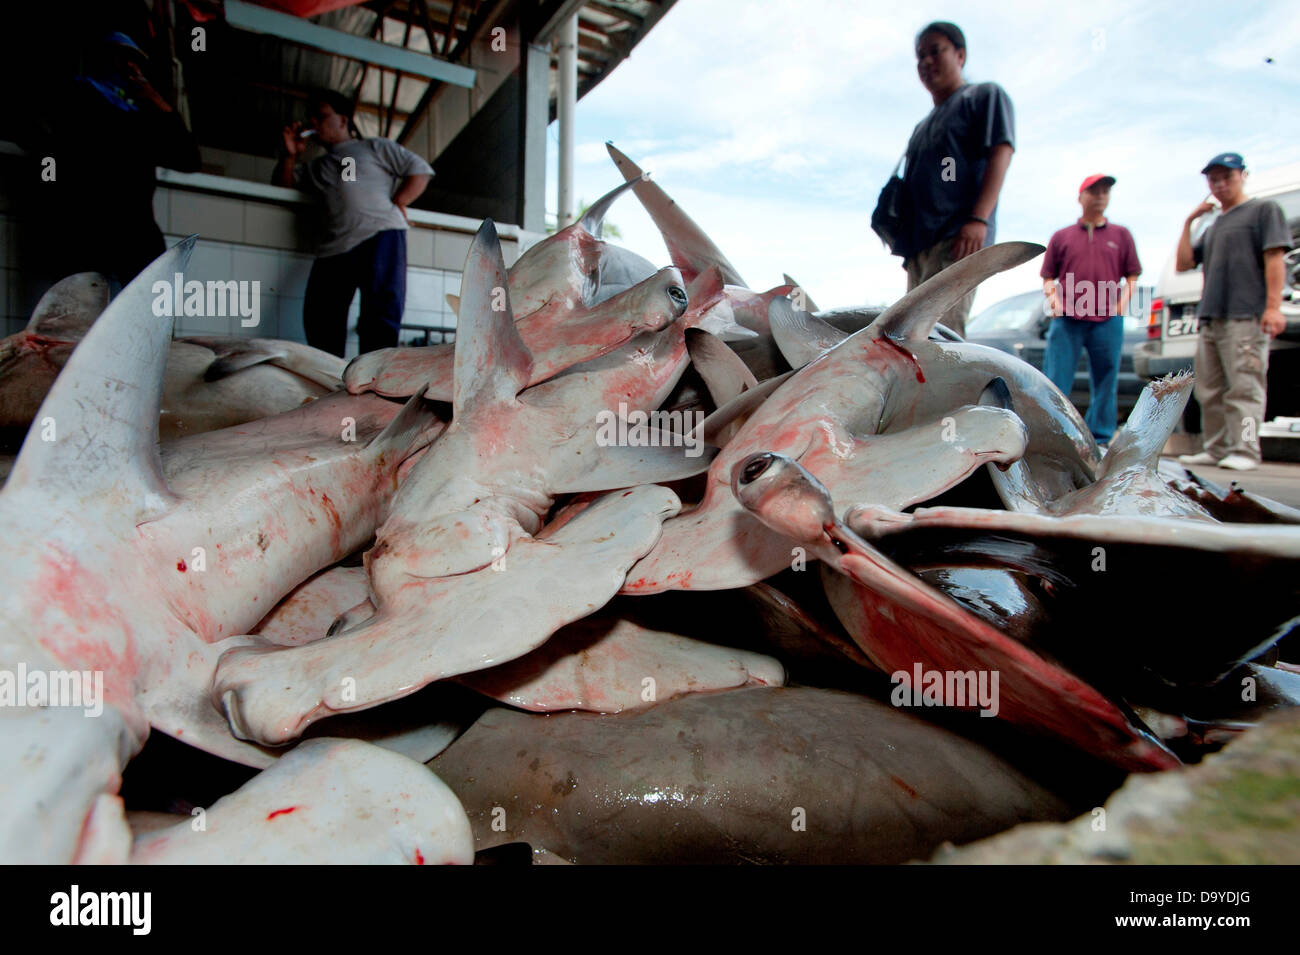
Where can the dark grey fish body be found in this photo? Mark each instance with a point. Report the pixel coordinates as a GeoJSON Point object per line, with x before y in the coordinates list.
{"type": "Point", "coordinates": [768, 775]}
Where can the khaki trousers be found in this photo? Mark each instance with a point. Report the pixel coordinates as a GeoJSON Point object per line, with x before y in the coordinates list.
{"type": "Point", "coordinates": [1231, 382]}
{"type": "Point", "coordinates": [930, 263]}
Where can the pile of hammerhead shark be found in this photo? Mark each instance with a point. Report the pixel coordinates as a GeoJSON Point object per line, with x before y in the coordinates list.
{"type": "Point", "coordinates": [644, 567]}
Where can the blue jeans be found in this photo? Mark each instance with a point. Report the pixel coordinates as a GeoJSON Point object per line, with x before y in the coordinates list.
{"type": "Point", "coordinates": [1103, 340]}
{"type": "Point", "coordinates": [378, 267]}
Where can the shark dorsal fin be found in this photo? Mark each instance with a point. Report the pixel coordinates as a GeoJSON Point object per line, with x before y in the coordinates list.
{"type": "Point", "coordinates": [1158, 410]}
{"type": "Point", "coordinates": [808, 304]}
{"type": "Point", "coordinates": [593, 220]}
{"type": "Point", "coordinates": [492, 362]}
{"type": "Point", "coordinates": [70, 307]}
{"type": "Point", "coordinates": [690, 249]}
{"type": "Point", "coordinates": [914, 315]}
{"type": "Point", "coordinates": [800, 336]}
{"type": "Point", "coordinates": [103, 409]}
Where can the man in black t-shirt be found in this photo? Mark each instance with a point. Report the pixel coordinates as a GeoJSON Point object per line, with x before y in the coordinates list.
{"type": "Point", "coordinates": [956, 161]}
{"type": "Point", "coordinates": [1241, 256]}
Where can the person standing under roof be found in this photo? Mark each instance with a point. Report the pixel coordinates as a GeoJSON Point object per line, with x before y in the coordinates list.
{"type": "Point", "coordinates": [956, 161]}
{"type": "Point", "coordinates": [1241, 256]}
{"type": "Point", "coordinates": [1096, 263]}
{"type": "Point", "coordinates": [366, 185]}
{"type": "Point", "coordinates": [110, 130]}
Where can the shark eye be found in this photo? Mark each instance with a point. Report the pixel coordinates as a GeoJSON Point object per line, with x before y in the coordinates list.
{"type": "Point", "coordinates": [753, 469]}
{"type": "Point", "coordinates": [678, 295]}
{"type": "Point", "coordinates": [840, 546]}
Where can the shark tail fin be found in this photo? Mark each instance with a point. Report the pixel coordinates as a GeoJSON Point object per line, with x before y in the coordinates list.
{"type": "Point", "coordinates": [103, 409]}
{"type": "Point", "coordinates": [492, 362]}
{"type": "Point", "coordinates": [691, 249]}
{"type": "Point", "coordinates": [1158, 410]}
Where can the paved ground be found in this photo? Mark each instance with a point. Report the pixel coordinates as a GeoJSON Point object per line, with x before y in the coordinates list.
{"type": "Point", "coordinates": [1280, 481]}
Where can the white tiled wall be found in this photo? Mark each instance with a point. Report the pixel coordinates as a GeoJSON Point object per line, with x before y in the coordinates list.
{"type": "Point", "coordinates": [283, 276]}
{"type": "Point", "coordinates": [266, 239]}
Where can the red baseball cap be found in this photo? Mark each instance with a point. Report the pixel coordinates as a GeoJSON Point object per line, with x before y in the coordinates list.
{"type": "Point", "coordinates": [1093, 180]}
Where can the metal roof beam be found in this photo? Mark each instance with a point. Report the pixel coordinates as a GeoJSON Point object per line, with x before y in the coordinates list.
{"type": "Point", "coordinates": [254, 19]}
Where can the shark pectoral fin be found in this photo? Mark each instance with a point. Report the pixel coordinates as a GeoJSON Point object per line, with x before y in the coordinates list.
{"type": "Point", "coordinates": [318, 367]}
{"type": "Point", "coordinates": [914, 315]}
{"type": "Point", "coordinates": [492, 363]}
{"type": "Point", "coordinates": [593, 220]}
{"type": "Point", "coordinates": [411, 430]}
{"type": "Point", "coordinates": [710, 310]}
{"type": "Point", "coordinates": [104, 406]}
{"type": "Point", "coordinates": [232, 357]}
{"type": "Point", "coordinates": [800, 335]}
{"type": "Point", "coordinates": [593, 466]}
{"type": "Point", "coordinates": [690, 248]}
{"type": "Point", "coordinates": [721, 368]}
{"type": "Point", "coordinates": [70, 307]}
{"type": "Point", "coordinates": [1151, 422]}
{"type": "Point", "coordinates": [453, 302]}
{"type": "Point", "coordinates": [718, 427]}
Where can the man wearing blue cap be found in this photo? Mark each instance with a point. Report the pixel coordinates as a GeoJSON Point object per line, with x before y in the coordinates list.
{"type": "Point", "coordinates": [1241, 256]}
{"type": "Point", "coordinates": [108, 132]}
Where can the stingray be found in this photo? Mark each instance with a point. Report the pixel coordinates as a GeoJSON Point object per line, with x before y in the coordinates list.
{"type": "Point", "coordinates": [210, 383]}
{"type": "Point", "coordinates": [766, 775]}
{"type": "Point", "coordinates": [134, 564]}
{"type": "Point", "coordinates": [458, 580]}
{"type": "Point", "coordinates": [909, 628]}
{"type": "Point", "coordinates": [882, 415]}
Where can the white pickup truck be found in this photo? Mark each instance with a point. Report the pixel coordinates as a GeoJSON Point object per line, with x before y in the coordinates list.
{"type": "Point", "coordinates": [1172, 327]}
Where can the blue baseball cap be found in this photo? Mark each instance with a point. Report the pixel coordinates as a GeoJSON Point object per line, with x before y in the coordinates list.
{"type": "Point", "coordinates": [1226, 160]}
{"type": "Point", "coordinates": [118, 38]}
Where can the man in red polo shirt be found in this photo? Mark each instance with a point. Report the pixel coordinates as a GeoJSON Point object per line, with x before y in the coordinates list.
{"type": "Point", "coordinates": [1089, 274]}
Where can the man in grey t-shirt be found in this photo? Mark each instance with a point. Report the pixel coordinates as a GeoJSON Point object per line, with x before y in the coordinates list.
{"type": "Point", "coordinates": [365, 185]}
{"type": "Point", "coordinates": [1241, 256]}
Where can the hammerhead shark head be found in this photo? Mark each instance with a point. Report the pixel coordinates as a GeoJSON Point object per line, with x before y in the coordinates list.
{"type": "Point", "coordinates": [459, 580]}
{"type": "Point", "coordinates": [883, 415]}
{"type": "Point", "coordinates": [129, 565]}
{"type": "Point", "coordinates": [906, 626]}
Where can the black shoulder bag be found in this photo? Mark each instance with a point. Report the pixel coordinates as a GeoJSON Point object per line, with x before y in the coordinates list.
{"type": "Point", "coordinates": [887, 220]}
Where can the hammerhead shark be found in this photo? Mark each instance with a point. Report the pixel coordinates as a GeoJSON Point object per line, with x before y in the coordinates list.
{"type": "Point", "coordinates": [129, 565]}
{"type": "Point", "coordinates": [907, 627]}
{"type": "Point", "coordinates": [210, 383]}
{"type": "Point", "coordinates": [459, 581]}
{"type": "Point", "coordinates": [883, 415]}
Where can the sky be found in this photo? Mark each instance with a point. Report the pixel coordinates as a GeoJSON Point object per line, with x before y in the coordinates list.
{"type": "Point", "coordinates": [775, 123]}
